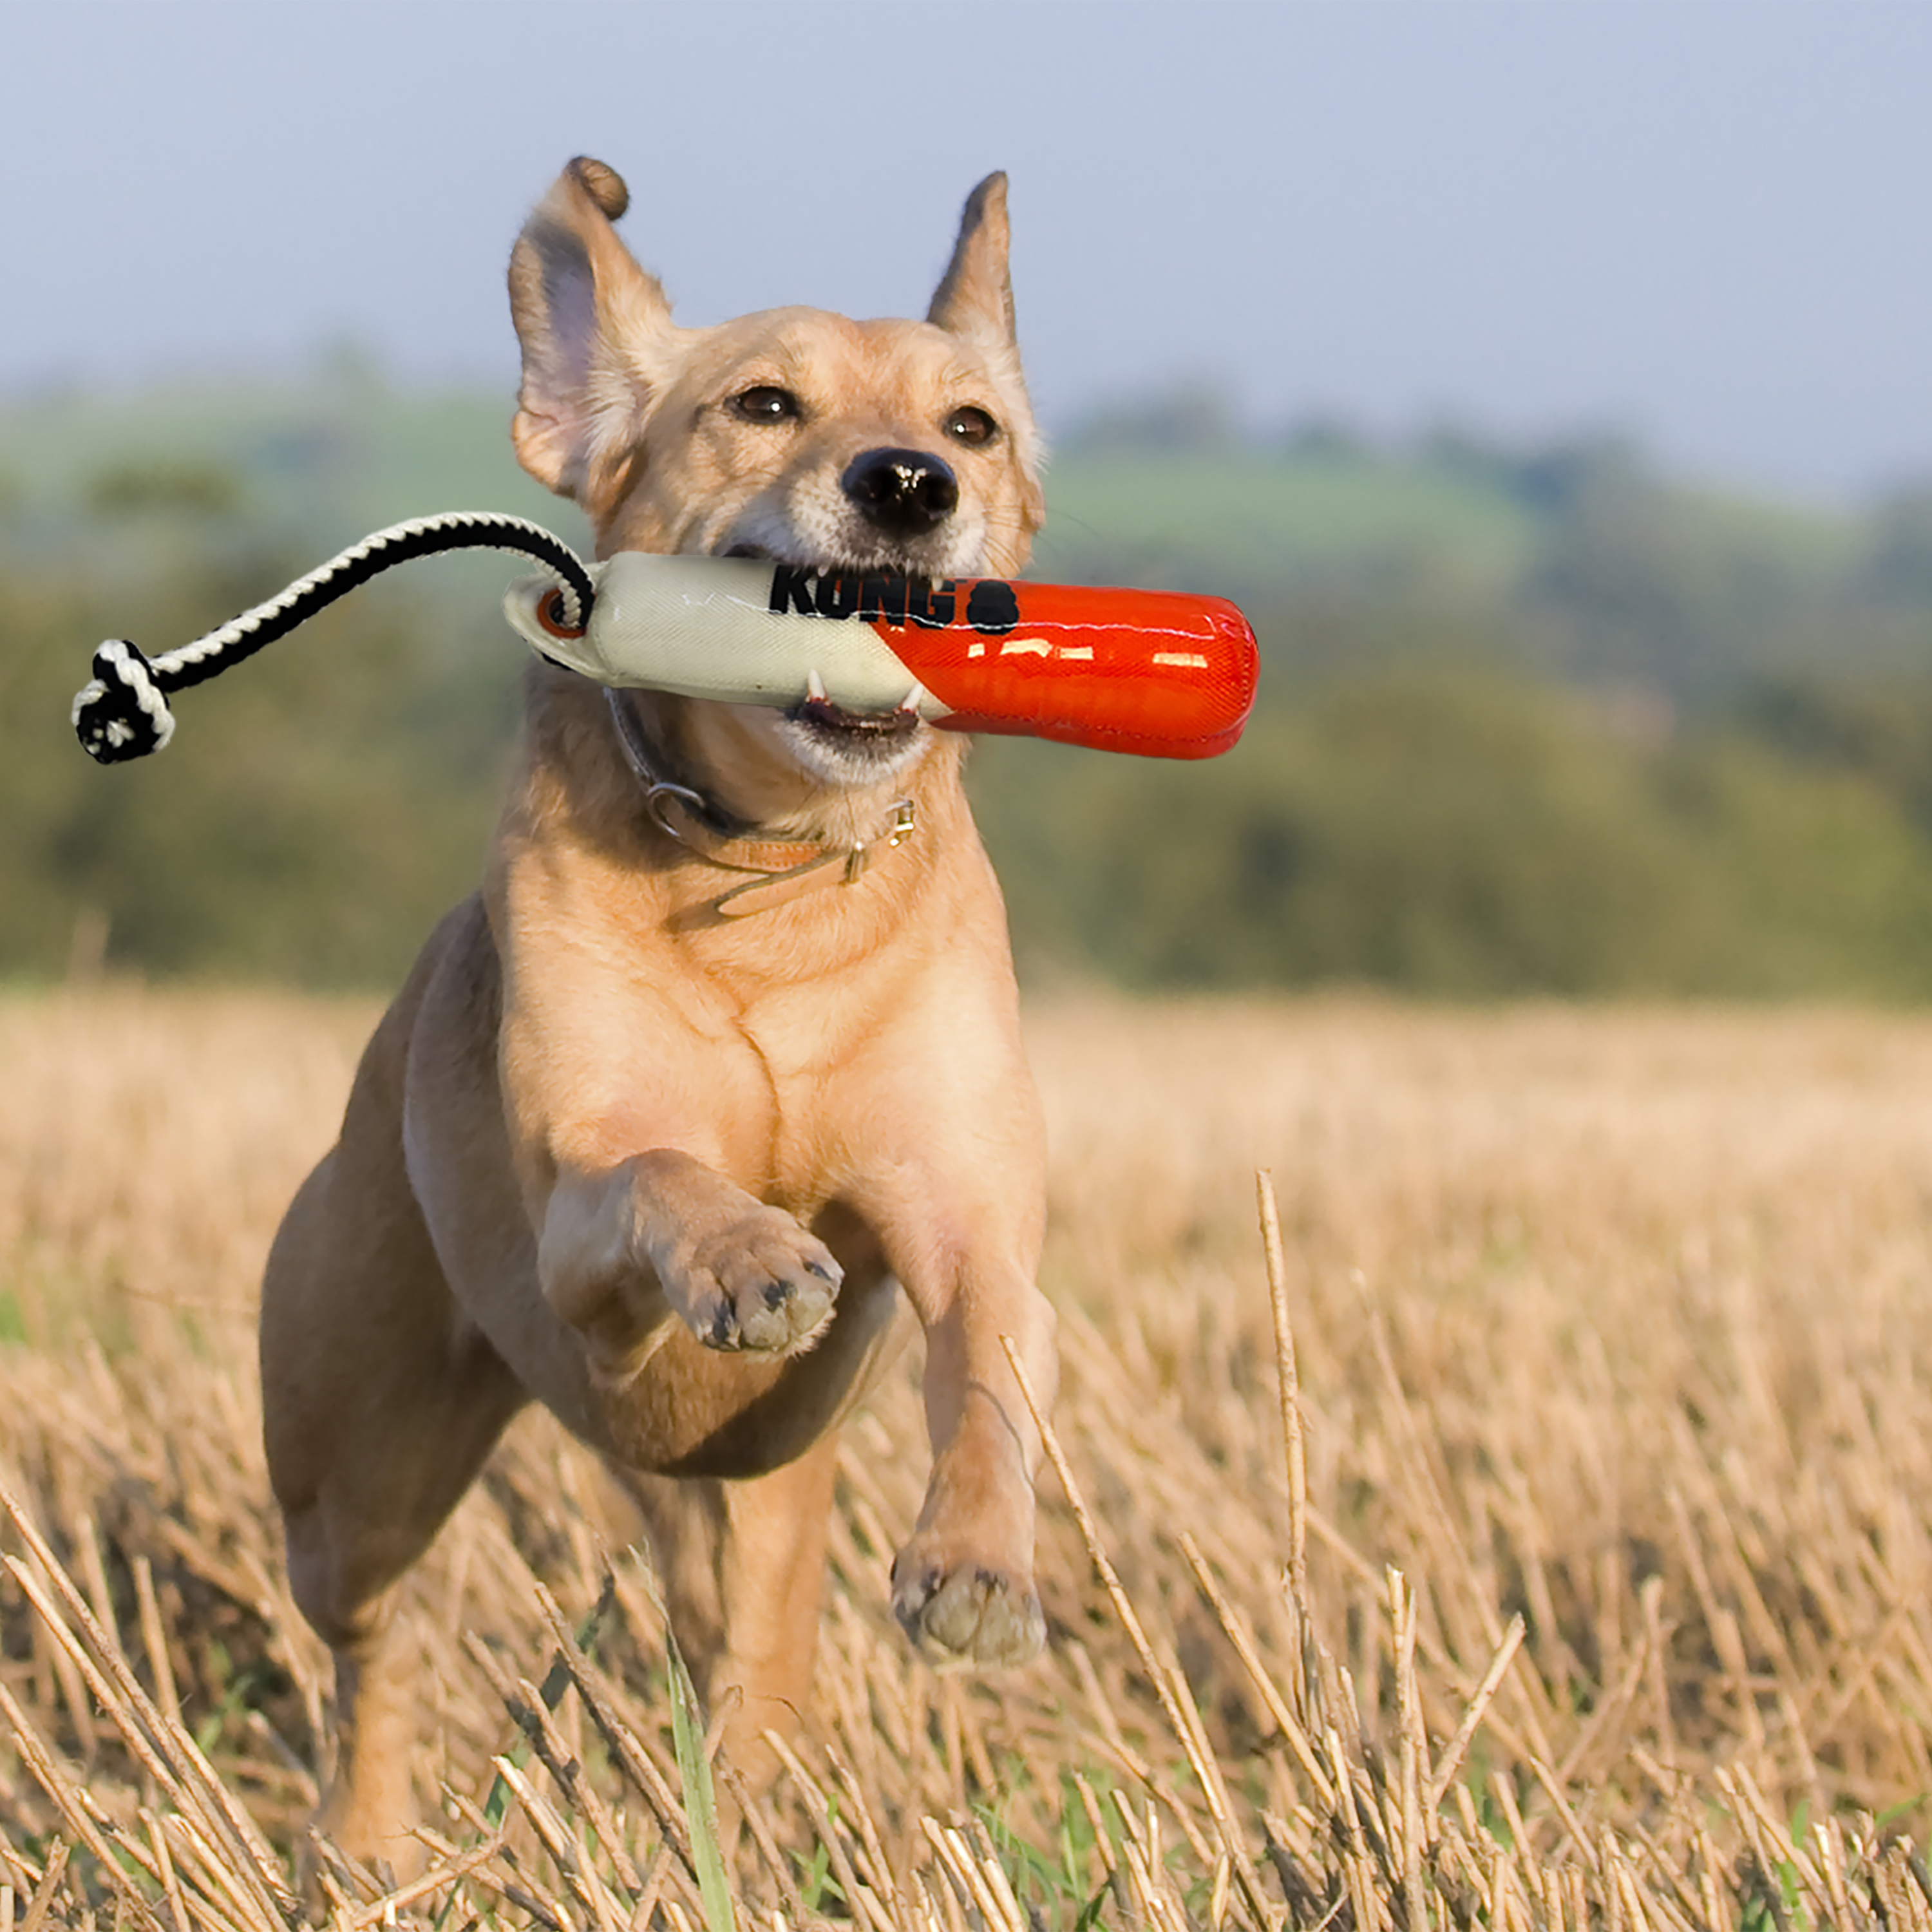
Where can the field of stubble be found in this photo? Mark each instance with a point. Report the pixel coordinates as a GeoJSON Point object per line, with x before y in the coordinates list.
{"type": "Point", "coordinates": [1613, 1330]}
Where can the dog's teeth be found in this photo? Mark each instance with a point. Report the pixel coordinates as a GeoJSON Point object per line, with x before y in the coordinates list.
{"type": "Point", "coordinates": [909, 704]}
{"type": "Point", "coordinates": [815, 688]}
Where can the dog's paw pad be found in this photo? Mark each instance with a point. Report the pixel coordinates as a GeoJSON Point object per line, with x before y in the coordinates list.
{"type": "Point", "coordinates": [970, 1615]}
{"type": "Point", "coordinates": [765, 1286]}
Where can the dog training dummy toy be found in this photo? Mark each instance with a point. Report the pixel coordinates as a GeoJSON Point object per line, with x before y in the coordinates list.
{"type": "Point", "coordinates": [1155, 672]}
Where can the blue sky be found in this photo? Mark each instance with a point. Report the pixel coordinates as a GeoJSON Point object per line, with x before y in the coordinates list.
{"type": "Point", "coordinates": [1703, 222]}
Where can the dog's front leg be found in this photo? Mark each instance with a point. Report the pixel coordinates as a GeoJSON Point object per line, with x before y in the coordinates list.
{"type": "Point", "coordinates": [660, 1236]}
{"type": "Point", "coordinates": [964, 1236]}
{"type": "Point", "coordinates": [963, 1585]}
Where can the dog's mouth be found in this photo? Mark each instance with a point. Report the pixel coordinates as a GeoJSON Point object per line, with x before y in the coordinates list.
{"type": "Point", "coordinates": [823, 714]}
{"type": "Point", "coordinates": [866, 734]}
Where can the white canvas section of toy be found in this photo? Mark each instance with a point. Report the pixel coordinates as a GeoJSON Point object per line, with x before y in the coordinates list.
{"type": "Point", "coordinates": [704, 627]}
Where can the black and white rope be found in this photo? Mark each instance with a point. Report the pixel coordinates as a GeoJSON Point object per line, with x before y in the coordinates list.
{"type": "Point", "coordinates": [123, 713]}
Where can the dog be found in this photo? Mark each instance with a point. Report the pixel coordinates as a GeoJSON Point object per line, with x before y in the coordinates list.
{"type": "Point", "coordinates": [720, 1072]}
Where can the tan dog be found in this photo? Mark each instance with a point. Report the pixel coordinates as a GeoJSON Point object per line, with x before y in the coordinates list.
{"type": "Point", "coordinates": [661, 1155]}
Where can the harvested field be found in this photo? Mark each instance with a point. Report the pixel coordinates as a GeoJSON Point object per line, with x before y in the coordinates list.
{"type": "Point", "coordinates": [1615, 1323]}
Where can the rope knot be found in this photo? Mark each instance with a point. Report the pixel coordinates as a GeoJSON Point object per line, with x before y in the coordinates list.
{"type": "Point", "coordinates": [122, 714]}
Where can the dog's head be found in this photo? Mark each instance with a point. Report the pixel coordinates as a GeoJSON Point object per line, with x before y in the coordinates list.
{"type": "Point", "coordinates": [792, 433]}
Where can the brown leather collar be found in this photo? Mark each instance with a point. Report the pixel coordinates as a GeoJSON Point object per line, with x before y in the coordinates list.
{"type": "Point", "coordinates": [785, 867]}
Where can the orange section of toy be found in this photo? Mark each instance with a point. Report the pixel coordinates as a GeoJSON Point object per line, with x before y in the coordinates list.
{"type": "Point", "coordinates": [1156, 673]}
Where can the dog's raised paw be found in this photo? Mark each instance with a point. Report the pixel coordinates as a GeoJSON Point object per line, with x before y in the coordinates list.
{"type": "Point", "coordinates": [764, 1285]}
{"type": "Point", "coordinates": [971, 1615]}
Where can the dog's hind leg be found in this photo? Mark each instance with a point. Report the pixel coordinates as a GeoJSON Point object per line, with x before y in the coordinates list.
{"type": "Point", "coordinates": [743, 1567]}
{"type": "Point", "coordinates": [381, 1401]}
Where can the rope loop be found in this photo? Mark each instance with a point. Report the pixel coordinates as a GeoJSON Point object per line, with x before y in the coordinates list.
{"type": "Point", "coordinates": [124, 712]}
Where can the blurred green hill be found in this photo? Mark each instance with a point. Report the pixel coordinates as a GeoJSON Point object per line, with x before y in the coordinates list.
{"type": "Point", "coordinates": [1534, 718]}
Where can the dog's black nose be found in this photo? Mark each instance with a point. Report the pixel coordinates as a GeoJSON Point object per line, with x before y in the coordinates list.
{"type": "Point", "coordinates": [905, 492]}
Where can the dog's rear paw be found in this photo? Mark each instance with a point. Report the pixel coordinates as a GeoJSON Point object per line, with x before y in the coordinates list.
{"type": "Point", "coordinates": [764, 1285]}
{"type": "Point", "coordinates": [971, 1615]}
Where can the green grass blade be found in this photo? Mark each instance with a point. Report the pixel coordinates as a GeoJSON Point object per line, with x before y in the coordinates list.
{"type": "Point", "coordinates": [701, 1800]}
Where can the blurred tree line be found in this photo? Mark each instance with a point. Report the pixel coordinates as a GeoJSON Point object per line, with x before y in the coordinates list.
{"type": "Point", "coordinates": [1533, 719]}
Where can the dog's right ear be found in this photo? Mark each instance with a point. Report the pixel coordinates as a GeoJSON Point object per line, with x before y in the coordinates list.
{"type": "Point", "coordinates": [596, 332]}
{"type": "Point", "coordinates": [975, 296]}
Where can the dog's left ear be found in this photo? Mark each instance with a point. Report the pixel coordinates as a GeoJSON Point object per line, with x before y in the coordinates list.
{"type": "Point", "coordinates": [975, 296]}
{"type": "Point", "coordinates": [595, 330]}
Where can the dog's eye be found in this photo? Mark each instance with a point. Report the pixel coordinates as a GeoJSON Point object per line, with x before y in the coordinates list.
{"type": "Point", "coordinates": [973, 427]}
{"type": "Point", "coordinates": [765, 404]}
